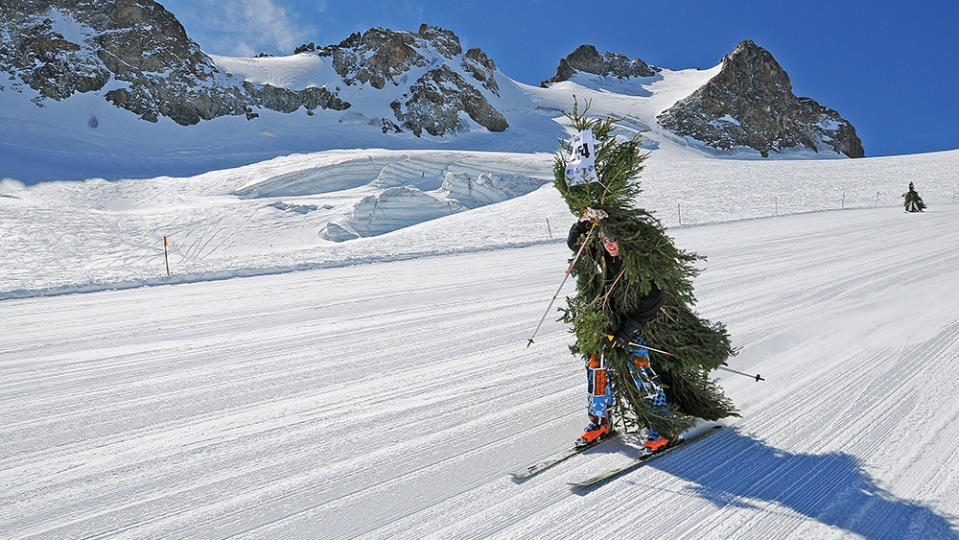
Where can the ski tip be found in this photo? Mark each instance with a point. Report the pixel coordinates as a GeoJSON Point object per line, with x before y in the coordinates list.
{"type": "Point", "coordinates": [583, 487]}
{"type": "Point", "coordinates": [643, 458]}
{"type": "Point", "coordinates": [522, 475]}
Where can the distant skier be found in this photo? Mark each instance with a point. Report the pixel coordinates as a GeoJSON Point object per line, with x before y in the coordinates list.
{"type": "Point", "coordinates": [913, 201]}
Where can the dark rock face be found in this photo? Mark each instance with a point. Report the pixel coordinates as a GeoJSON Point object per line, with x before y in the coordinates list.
{"type": "Point", "coordinates": [482, 68]}
{"type": "Point", "coordinates": [587, 59]}
{"type": "Point", "coordinates": [436, 99]}
{"type": "Point", "coordinates": [286, 100]}
{"type": "Point", "coordinates": [380, 55]}
{"type": "Point", "coordinates": [141, 58]}
{"type": "Point", "coordinates": [750, 103]}
{"type": "Point", "coordinates": [136, 42]}
{"type": "Point", "coordinates": [444, 40]}
{"type": "Point", "coordinates": [42, 58]}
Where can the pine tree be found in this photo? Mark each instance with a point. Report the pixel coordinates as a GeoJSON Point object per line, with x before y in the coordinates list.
{"type": "Point", "coordinates": [913, 202]}
{"type": "Point", "coordinates": [649, 258]}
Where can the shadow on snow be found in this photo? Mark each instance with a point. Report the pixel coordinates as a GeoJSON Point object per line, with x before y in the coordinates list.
{"type": "Point", "coordinates": [730, 469]}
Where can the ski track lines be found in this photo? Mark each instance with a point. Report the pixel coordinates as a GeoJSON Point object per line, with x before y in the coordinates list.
{"type": "Point", "coordinates": [389, 400]}
{"type": "Point", "coordinates": [455, 345]}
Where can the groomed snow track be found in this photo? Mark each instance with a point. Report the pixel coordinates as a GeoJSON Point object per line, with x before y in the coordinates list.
{"type": "Point", "coordinates": [389, 400]}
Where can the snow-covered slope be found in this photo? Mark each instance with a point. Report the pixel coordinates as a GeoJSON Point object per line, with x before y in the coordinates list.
{"type": "Point", "coordinates": [317, 395]}
{"type": "Point", "coordinates": [389, 400]}
{"type": "Point", "coordinates": [344, 207]}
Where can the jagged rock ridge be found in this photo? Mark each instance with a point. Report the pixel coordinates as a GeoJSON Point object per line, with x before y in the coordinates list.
{"type": "Point", "coordinates": [139, 53]}
{"type": "Point", "coordinates": [587, 59]}
{"type": "Point", "coordinates": [139, 57]}
{"type": "Point", "coordinates": [750, 104]}
{"type": "Point", "coordinates": [380, 54]}
{"type": "Point", "coordinates": [435, 99]}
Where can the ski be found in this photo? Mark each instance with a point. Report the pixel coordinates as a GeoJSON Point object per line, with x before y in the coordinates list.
{"type": "Point", "coordinates": [540, 466]}
{"type": "Point", "coordinates": [640, 461]}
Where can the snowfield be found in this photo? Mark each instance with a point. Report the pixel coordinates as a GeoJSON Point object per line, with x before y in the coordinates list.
{"type": "Point", "coordinates": [387, 400]}
{"type": "Point", "coordinates": [339, 350]}
{"type": "Point", "coordinates": [300, 211]}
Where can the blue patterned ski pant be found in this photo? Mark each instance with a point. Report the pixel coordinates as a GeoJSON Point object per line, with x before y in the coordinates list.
{"type": "Point", "coordinates": [601, 392]}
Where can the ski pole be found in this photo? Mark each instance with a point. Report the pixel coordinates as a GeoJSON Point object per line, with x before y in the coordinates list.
{"type": "Point", "coordinates": [568, 272]}
{"type": "Point", "coordinates": [756, 376]}
{"type": "Point", "coordinates": [611, 337]}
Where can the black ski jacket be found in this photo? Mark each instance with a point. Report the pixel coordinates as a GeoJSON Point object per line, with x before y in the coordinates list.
{"type": "Point", "coordinates": [648, 305]}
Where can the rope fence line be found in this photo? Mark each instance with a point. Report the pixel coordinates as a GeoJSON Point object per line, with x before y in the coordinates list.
{"type": "Point", "coordinates": [214, 236]}
{"type": "Point", "coordinates": [777, 206]}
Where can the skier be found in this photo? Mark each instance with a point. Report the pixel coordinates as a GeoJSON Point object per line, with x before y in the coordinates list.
{"type": "Point", "coordinates": [630, 335]}
{"type": "Point", "coordinates": [913, 202]}
{"type": "Point", "coordinates": [633, 287]}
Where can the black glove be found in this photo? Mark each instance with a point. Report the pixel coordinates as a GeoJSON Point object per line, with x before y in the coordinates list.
{"type": "Point", "coordinates": [632, 330]}
{"type": "Point", "coordinates": [578, 229]}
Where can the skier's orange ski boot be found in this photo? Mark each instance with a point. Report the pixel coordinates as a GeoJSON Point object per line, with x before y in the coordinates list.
{"type": "Point", "coordinates": [656, 442]}
{"type": "Point", "coordinates": [596, 431]}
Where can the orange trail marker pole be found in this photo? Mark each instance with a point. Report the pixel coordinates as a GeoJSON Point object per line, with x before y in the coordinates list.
{"type": "Point", "coordinates": [166, 256]}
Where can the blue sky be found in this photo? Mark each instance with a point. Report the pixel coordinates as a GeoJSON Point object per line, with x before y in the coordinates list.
{"type": "Point", "coordinates": [890, 68]}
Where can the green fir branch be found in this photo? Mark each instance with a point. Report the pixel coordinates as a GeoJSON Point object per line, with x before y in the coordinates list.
{"type": "Point", "coordinates": [650, 259]}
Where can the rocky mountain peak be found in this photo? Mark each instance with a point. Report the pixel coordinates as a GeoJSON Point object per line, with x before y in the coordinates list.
{"type": "Point", "coordinates": [445, 41]}
{"type": "Point", "coordinates": [752, 69]}
{"type": "Point", "coordinates": [121, 39]}
{"type": "Point", "coordinates": [587, 59]}
{"type": "Point", "coordinates": [126, 35]}
{"type": "Point", "coordinates": [481, 67]}
{"type": "Point", "coordinates": [750, 103]}
{"type": "Point", "coordinates": [138, 56]}
{"type": "Point", "coordinates": [381, 55]}
{"type": "Point", "coordinates": [61, 47]}
{"type": "Point", "coordinates": [434, 100]}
